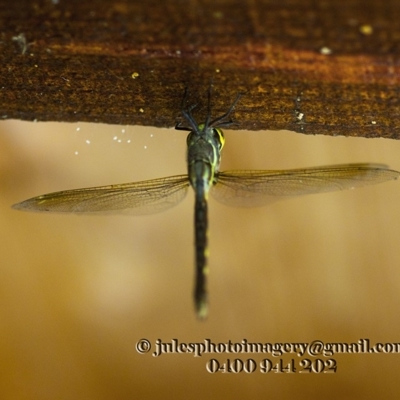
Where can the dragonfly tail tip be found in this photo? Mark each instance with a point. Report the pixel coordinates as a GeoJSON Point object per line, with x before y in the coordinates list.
{"type": "Point", "coordinates": [202, 309]}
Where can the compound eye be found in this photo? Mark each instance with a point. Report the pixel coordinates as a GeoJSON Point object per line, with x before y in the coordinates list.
{"type": "Point", "coordinates": [219, 137]}
{"type": "Point", "coordinates": [189, 138]}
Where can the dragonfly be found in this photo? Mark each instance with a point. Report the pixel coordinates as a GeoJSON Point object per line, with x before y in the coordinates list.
{"type": "Point", "coordinates": [234, 188]}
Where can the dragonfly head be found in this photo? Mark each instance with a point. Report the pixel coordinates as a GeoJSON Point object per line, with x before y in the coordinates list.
{"type": "Point", "coordinates": [213, 136]}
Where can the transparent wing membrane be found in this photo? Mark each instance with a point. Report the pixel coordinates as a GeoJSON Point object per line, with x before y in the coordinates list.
{"type": "Point", "coordinates": [234, 188]}
{"type": "Point", "coordinates": [146, 197]}
{"type": "Point", "coordinates": [258, 188]}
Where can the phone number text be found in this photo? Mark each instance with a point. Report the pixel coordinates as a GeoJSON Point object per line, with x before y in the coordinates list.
{"type": "Point", "coordinates": [277, 366]}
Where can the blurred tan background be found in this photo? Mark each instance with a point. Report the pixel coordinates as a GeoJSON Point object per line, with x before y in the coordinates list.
{"type": "Point", "coordinates": [78, 292]}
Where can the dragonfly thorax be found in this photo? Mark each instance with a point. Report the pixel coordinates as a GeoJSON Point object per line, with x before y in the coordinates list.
{"type": "Point", "coordinates": [204, 155]}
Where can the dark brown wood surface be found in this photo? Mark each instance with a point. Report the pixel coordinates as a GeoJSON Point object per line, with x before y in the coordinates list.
{"type": "Point", "coordinates": [329, 67]}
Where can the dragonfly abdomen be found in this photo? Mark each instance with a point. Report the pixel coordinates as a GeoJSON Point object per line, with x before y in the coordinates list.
{"type": "Point", "coordinates": [201, 243]}
{"type": "Point", "coordinates": [201, 176]}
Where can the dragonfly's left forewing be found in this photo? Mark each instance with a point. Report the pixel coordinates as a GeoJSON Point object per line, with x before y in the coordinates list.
{"type": "Point", "coordinates": [258, 188]}
{"type": "Point", "coordinates": [137, 198]}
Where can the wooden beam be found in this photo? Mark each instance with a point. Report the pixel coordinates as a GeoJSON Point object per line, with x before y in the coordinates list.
{"type": "Point", "coordinates": [329, 67]}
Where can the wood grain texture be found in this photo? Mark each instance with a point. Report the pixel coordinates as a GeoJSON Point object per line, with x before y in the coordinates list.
{"type": "Point", "coordinates": [323, 67]}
